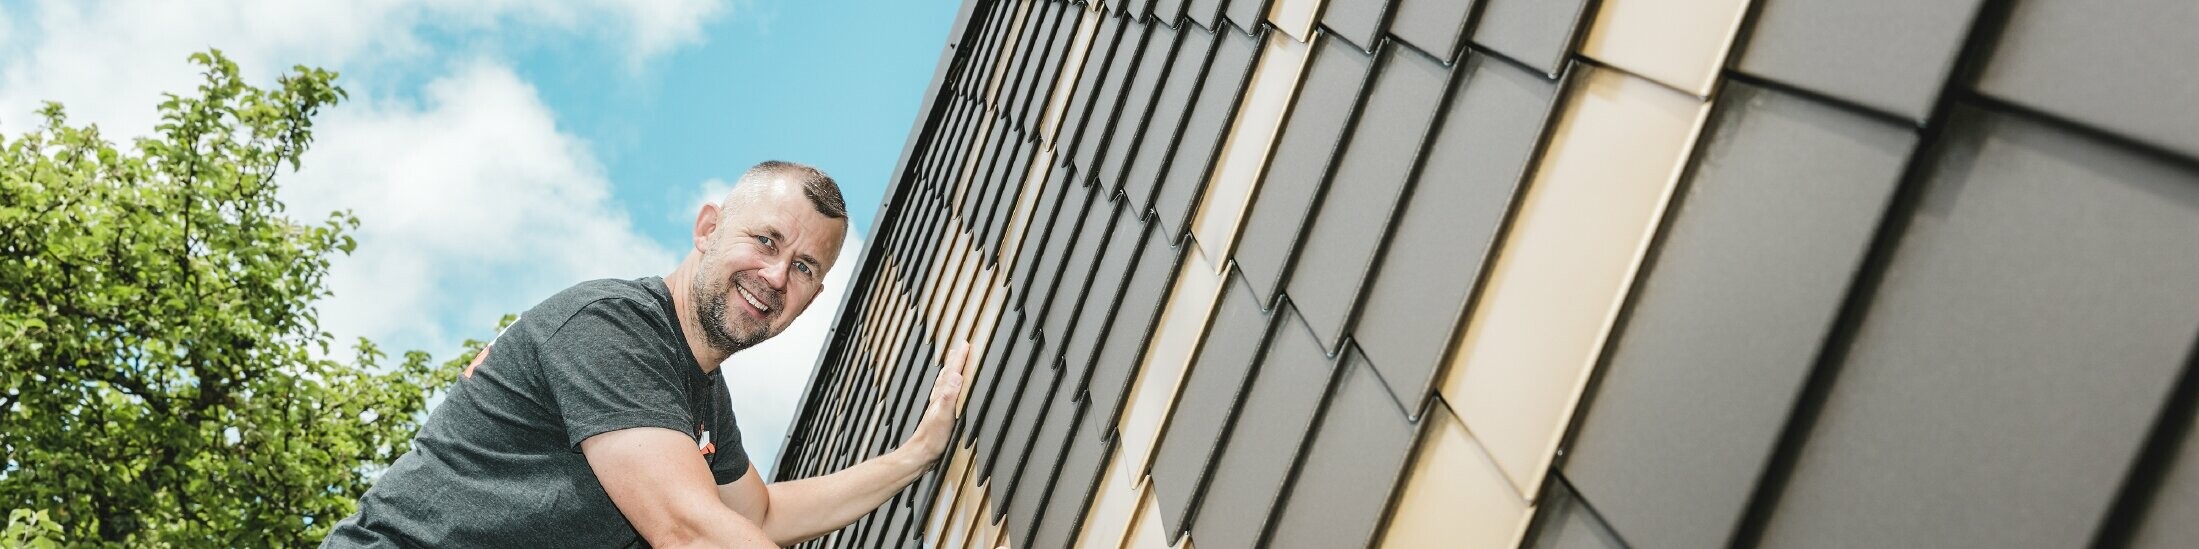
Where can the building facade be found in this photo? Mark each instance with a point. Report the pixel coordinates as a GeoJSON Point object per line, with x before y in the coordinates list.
{"type": "Point", "coordinates": [1556, 273]}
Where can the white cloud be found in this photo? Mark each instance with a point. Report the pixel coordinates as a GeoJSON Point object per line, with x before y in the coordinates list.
{"type": "Point", "coordinates": [472, 204]}
{"type": "Point", "coordinates": [709, 192]}
{"type": "Point", "coordinates": [767, 380]}
{"type": "Point", "coordinates": [109, 60]}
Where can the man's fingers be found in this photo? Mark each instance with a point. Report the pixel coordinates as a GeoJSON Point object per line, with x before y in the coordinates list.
{"type": "Point", "coordinates": [950, 378]}
{"type": "Point", "coordinates": [957, 357]}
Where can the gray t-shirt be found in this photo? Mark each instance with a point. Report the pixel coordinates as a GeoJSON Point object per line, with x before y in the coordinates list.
{"type": "Point", "coordinates": [498, 464]}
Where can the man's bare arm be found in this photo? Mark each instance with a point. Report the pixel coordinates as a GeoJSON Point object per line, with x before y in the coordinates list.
{"type": "Point", "coordinates": [798, 510]}
{"type": "Point", "coordinates": [655, 478]}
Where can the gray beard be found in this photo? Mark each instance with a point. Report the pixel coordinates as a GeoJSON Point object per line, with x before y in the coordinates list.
{"type": "Point", "coordinates": [712, 317]}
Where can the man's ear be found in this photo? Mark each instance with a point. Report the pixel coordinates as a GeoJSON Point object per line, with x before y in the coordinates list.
{"type": "Point", "coordinates": [706, 222]}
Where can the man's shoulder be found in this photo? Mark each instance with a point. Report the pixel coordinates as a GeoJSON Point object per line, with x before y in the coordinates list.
{"type": "Point", "coordinates": [643, 290]}
{"type": "Point", "coordinates": [611, 297]}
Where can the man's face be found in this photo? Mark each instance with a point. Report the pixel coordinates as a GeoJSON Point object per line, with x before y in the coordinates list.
{"type": "Point", "coordinates": [762, 264]}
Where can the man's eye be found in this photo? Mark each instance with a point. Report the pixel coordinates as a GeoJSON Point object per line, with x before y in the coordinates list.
{"type": "Point", "coordinates": [803, 267]}
{"type": "Point", "coordinates": [763, 239]}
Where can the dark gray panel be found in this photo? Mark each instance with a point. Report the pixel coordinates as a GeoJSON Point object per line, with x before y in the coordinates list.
{"type": "Point", "coordinates": [1131, 328]}
{"type": "Point", "coordinates": [1434, 26]}
{"type": "Point", "coordinates": [2014, 356]}
{"type": "Point", "coordinates": [1247, 14]}
{"type": "Point", "coordinates": [1138, 9]}
{"type": "Point", "coordinates": [978, 68]}
{"type": "Point", "coordinates": [994, 367]}
{"type": "Point", "coordinates": [1537, 33]}
{"type": "Point", "coordinates": [1193, 156]}
{"type": "Point", "coordinates": [1060, 241]}
{"type": "Point", "coordinates": [1073, 486]}
{"type": "Point", "coordinates": [848, 425]}
{"type": "Point", "coordinates": [1022, 433]}
{"type": "Point", "coordinates": [2056, 56]}
{"type": "Point", "coordinates": [1130, 55]}
{"type": "Point", "coordinates": [1027, 497]}
{"type": "Point", "coordinates": [1011, 164]}
{"type": "Point", "coordinates": [924, 250]}
{"type": "Point", "coordinates": [1359, 21]}
{"type": "Point", "coordinates": [1159, 137]}
{"type": "Point", "coordinates": [1353, 220]}
{"type": "Point", "coordinates": [1208, 12]}
{"type": "Point", "coordinates": [1567, 522]}
{"type": "Point", "coordinates": [1004, 409]}
{"type": "Point", "coordinates": [904, 230]}
{"type": "Point", "coordinates": [1030, 45]}
{"type": "Point", "coordinates": [866, 530]}
{"type": "Point", "coordinates": [1784, 200]}
{"type": "Point", "coordinates": [1004, 203]}
{"type": "Point", "coordinates": [1890, 55]}
{"type": "Point", "coordinates": [899, 418]}
{"type": "Point", "coordinates": [1060, 187]}
{"type": "Point", "coordinates": [2168, 524]}
{"type": "Point", "coordinates": [1168, 11]}
{"type": "Point", "coordinates": [1352, 465]}
{"type": "Point", "coordinates": [917, 388]}
{"type": "Point", "coordinates": [1475, 163]}
{"type": "Point", "coordinates": [1300, 164]}
{"type": "Point", "coordinates": [996, 45]}
{"type": "Point", "coordinates": [1059, 319]}
{"type": "Point", "coordinates": [1108, 278]}
{"type": "Point", "coordinates": [937, 145]}
{"type": "Point", "coordinates": [1137, 103]}
{"type": "Point", "coordinates": [1209, 397]}
{"type": "Point", "coordinates": [927, 209]}
{"type": "Point", "coordinates": [1043, 80]}
{"type": "Point", "coordinates": [1097, 62]}
{"type": "Point", "coordinates": [971, 114]}
{"type": "Point", "coordinates": [1256, 460]}
{"type": "Point", "coordinates": [1058, 26]}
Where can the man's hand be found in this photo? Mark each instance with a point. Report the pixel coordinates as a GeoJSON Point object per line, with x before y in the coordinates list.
{"type": "Point", "coordinates": [931, 435]}
{"type": "Point", "coordinates": [803, 509]}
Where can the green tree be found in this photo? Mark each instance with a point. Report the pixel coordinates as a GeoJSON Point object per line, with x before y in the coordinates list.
{"type": "Point", "coordinates": [163, 377]}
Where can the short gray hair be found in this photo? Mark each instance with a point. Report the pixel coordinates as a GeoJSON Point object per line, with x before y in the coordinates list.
{"type": "Point", "coordinates": [822, 191]}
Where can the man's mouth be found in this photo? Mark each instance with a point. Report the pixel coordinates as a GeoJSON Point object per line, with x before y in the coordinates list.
{"type": "Point", "coordinates": [753, 301]}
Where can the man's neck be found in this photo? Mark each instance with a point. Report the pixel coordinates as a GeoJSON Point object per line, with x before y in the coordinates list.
{"type": "Point", "coordinates": [683, 306]}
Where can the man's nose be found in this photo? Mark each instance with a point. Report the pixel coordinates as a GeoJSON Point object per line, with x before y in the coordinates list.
{"type": "Point", "coordinates": [775, 274]}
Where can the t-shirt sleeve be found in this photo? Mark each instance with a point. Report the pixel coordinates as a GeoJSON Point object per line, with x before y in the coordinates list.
{"type": "Point", "coordinates": [734, 463]}
{"type": "Point", "coordinates": [608, 370]}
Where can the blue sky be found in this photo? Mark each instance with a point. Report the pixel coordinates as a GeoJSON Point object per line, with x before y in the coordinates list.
{"type": "Point", "coordinates": [497, 151]}
{"type": "Point", "coordinates": [834, 84]}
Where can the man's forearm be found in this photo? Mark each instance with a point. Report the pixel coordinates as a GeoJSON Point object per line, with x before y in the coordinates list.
{"type": "Point", "coordinates": [811, 507]}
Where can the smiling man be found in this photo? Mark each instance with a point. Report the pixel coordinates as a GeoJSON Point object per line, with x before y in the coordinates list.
{"type": "Point", "coordinates": [600, 419]}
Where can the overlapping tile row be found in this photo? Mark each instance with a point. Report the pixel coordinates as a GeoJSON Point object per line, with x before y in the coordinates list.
{"type": "Point", "coordinates": [1520, 273]}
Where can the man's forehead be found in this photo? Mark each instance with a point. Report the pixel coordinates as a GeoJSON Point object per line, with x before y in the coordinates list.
{"type": "Point", "coordinates": [791, 213]}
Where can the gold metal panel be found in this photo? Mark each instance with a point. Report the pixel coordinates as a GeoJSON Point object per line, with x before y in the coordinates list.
{"type": "Point", "coordinates": [1146, 531]}
{"type": "Point", "coordinates": [950, 486]}
{"type": "Point", "coordinates": [1455, 497]}
{"type": "Point", "coordinates": [1175, 338]}
{"type": "Point", "coordinates": [1295, 17]}
{"type": "Point", "coordinates": [1244, 154]}
{"type": "Point", "coordinates": [1566, 264]}
{"type": "Point", "coordinates": [1107, 522]}
{"type": "Point", "coordinates": [1680, 43]}
{"type": "Point", "coordinates": [1034, 185]}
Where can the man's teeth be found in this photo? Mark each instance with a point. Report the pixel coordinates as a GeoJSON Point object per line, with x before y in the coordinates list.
{"type": "Point", "coordinates": [752, 301]}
